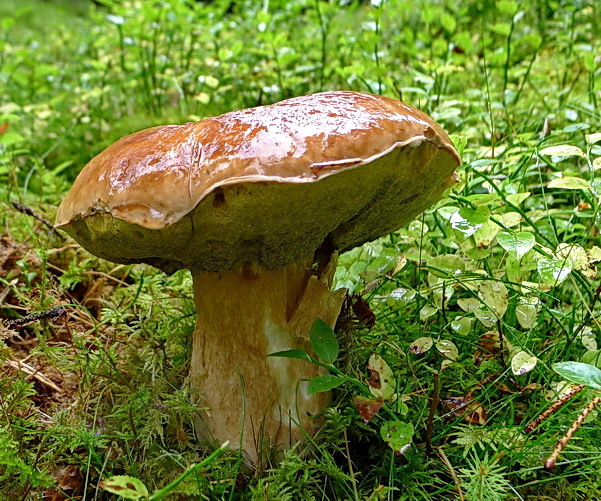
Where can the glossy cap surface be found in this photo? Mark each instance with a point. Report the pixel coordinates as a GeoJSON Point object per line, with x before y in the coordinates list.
{"type": "Point", "coordinates": [267, 184]}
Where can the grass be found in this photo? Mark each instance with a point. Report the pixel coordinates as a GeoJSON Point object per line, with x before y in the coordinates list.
{"type": "Point", "coordinates": [473, 302]}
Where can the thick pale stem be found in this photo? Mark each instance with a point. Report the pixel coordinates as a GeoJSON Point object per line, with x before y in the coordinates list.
{"type": "Point", "coordinates": [248, 398]}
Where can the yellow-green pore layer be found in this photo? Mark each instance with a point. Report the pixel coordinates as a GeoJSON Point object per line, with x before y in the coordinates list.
{"type": "Point", "coordinates": [274, 224]}
{"type": "Point", "coordinates": [271, 223]}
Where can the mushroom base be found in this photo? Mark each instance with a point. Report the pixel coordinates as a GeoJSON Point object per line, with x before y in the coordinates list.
{"type": "Point", "coordinates": [254, 401]}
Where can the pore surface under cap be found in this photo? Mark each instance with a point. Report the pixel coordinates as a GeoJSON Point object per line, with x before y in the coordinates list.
{"type": "Point", "coordinates": [266, 184]}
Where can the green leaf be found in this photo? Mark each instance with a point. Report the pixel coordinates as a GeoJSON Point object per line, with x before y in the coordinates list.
{"type": "Point", "coordinates": [511, 219]}
{"type": "Point", "coordinates": [11, 137]}
{"type": "Point", "coordinates": [397, 435]}
{"type": "Point", "coordinates": [486, 233]}
{"type": "Point", "coordinates": [569, 183]}
{"type": "Point", "coordinates": [324, 342]}
{"type": "Point", "coordinates": [125, 486]}
{"type": "Point", "coordinates": [522, 363]}
{"type": "Point", "coordinates": [503, 29]}
{"type": "Point", "coordinates": [494, 294]}
{"type": "Point", "coordinates": [562, 150]}
{"type": "Point", "coordinates": [588, 339]}
{"type": "Point", "coordinates": [446, 265]}
{"type": "Point", "coordinates": [507, 6]}
{"type": "Point", "coordinates": [483, 199]}
{"type": "Point", "coordinates": [324, 383]}
{"type": "Point", "coordinates": [469, 304]}
{"type": "Point", "coordinates": [298, 354]}
{"type": "Point", "coordinates": [526, 311]}
{"type": "Point", "coordinates": [592, 357]}
{"type": "Point", "coordinates": [517, 199]}
{"type": "Point", "coordinates": [579, 373]}
{"type": "Point", "coordinates": [459, 141]}
{"type": "Point", "coordinates": [517, 244]}
{"type": "Point", "coordinates": [448, 22]}
{"type": "Point", "coordinates": [475, 216]}
{"type": "Point", "coordinates": [593, 138]}
{"type": "Point", "coordinates": [427, 311]}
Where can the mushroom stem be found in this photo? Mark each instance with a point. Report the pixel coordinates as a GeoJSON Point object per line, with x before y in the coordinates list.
{"type": "Point", "coordinates": [244, 315]}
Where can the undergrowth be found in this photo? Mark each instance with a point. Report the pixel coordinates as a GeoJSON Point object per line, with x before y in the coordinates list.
{"type": "Point", "coordinates": [467, 307]}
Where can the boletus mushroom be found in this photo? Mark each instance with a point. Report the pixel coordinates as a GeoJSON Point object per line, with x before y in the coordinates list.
{"type": "Point", "coordinates": [257, 203]}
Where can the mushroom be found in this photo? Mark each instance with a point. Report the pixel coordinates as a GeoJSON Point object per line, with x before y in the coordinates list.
{"type": "Point", "coordinates": [257, 203]}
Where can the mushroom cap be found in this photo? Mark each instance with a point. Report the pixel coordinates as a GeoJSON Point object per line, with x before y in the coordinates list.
{"type": "Point", "coordinates": [265, 185]}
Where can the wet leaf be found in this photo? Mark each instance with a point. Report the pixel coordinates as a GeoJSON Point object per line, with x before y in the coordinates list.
{"type": "Point", "coordinates": [486, 317]}
{"type": "Point", "coordinates": [446, 265]}
{"type": "Point", "coordinates": [421, 345]}
{"type": "Point", "coordinates": [368, 407]}
{"type": "Point", "coordinates": [579, 373]}
{"type": "Point", "coordinates": [448, 349]}
{"type": "Point", "coordinates": [517, 244]}
{"type": "Point", "coordinates": [442, 290]}
{"type": "Point", "coordinates": [397, 435]}
{"type": "Point", "coordinates": [381, 379]}
{"type": "Point", "coordinates": [125, 486]}
{"type": "Point", "coordinates": [461, 325]}
{"type": "Point", "coordinates": [522, 363]}
{"type": "Point", "coordinates": [402, 295]}
{"type": "Point", "coordinates": [324, 342]}
{"type": "Point", "coordinates": [553, 271]}
{"type": "Point", "coordinates": [427, 311]}
{"type": "Point", "coordinates": [467, 220]}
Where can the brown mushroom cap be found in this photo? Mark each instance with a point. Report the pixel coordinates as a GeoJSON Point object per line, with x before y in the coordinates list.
{"type": "Point", "coordinates": [266, 185]}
